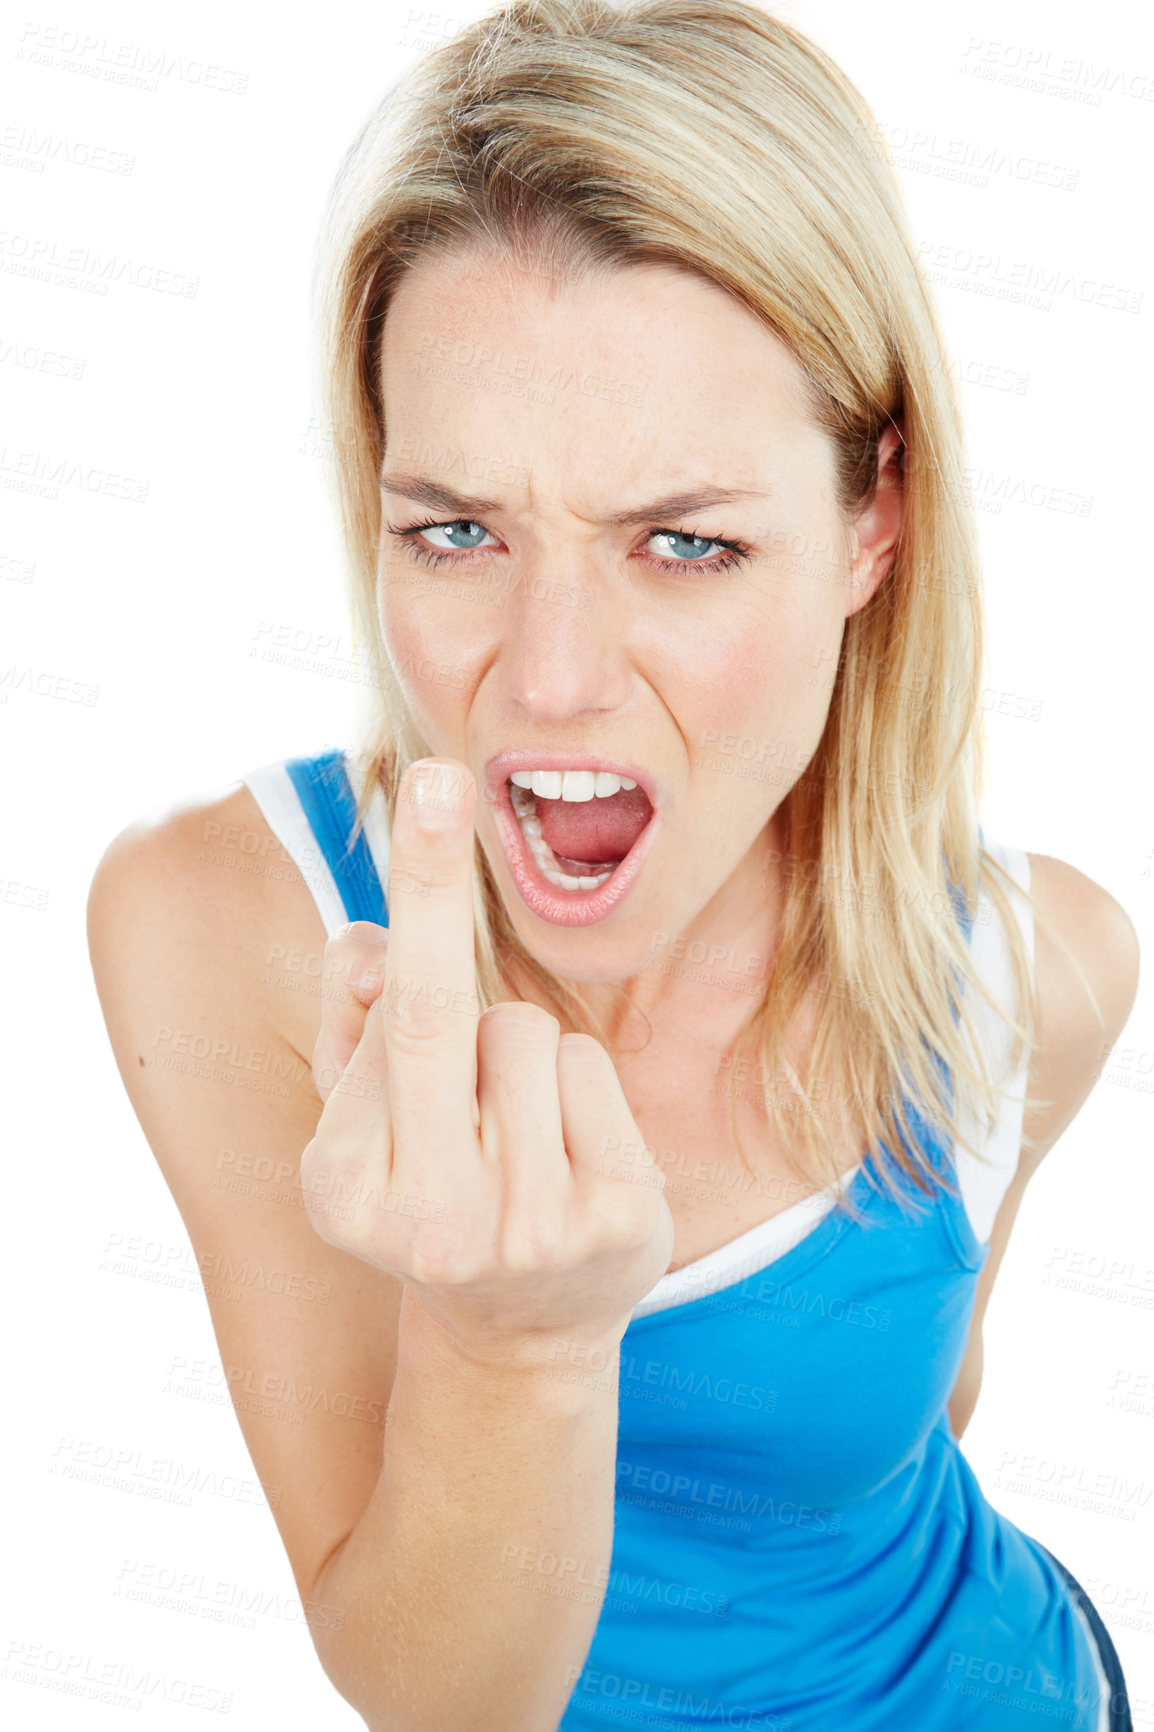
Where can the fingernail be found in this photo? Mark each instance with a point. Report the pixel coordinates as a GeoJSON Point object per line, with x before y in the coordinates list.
{"type": "Point", "coordinates": [435, 795]}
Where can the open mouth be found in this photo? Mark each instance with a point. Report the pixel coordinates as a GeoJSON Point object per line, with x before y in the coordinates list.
{"type": "Point", "coordinates": [577, 845]}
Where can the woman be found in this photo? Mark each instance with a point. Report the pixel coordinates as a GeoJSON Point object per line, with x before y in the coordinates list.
{"type": "Point", "coordinates": [639, 1174]}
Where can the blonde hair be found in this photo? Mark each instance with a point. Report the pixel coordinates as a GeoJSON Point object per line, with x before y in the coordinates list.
{"type": "Point", "coordinates": [578, 137]}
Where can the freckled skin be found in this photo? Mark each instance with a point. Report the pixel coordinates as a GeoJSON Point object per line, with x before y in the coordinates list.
{"type": "Point", "coordinates": [563, 633]}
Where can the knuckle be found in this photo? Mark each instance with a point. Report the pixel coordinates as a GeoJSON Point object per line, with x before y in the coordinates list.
{"type": "Point", "coordinates": [369, 1086]}
{"type": "Point", "coordinates": [436, 1268]}
{"type": "Point", "coordinates": [358, 938]}
{"type": "Point", "coordinates": [513, 1013]}
{"type": "Point", "coordinates": [327, 1074]}
{"type": "Point", "coordinates": [625, 1224]}
{"type": "Point", "coordinates": [419, 1000]}
{"type": "Point", "coordinates": [329, 1153]}
{"type": "Point", "coordinates": [333, 1189]}
{"type": "Point", "coordinates": [357, 1234]}
{"type": "Point", "coordinates": [421, 876]}
{"type": "Point", "coordinates": [357, 934]}
{"type": "Point", "coordinates": [582, 1044]}
{"type": "Point", "coordinates": [348, 1148]}
{"type": "Point", "coordinates": [327, 1222]}
{"type": "Point", "coordinates": [528, 1250]}
{"type": "Point", "coordinates": [418, 1032]}
{"type": "Point", "coordinates": [356, 955]}
{"type": "Point", "coordinates": [319, 1204]}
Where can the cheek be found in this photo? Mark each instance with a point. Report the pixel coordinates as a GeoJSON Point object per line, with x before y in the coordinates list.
{"type": "Point", "coordinates": [778, 673]}
{"type": "Point", "coordinates": [758, 700]}
{"type": "Point", "coordinates": [429, 662]}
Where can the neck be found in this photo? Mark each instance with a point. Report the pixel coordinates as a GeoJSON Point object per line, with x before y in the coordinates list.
{"type": "Point", "coordinates": [703, 986]}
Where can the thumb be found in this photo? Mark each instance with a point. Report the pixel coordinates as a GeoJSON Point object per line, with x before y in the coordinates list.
{"type": "Point", "coordinates": [352, 980]}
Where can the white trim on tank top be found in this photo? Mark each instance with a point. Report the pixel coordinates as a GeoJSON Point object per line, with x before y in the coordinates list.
{"type": "Point", "coordinates": [272, 788]}
{"type": "Point", "coordinates": [1099, 1666]}
{"type": "Point", "coordinates": [983, 1185]}
{"type": "Point", "coordinates": [376, 830]}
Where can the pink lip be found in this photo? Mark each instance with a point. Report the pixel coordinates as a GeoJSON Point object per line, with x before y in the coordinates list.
{"type": "Point", "coordinates": [564, 907]}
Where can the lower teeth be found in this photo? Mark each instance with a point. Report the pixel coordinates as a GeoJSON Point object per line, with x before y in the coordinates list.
{"type": "Point", "coordinates": [525, 808]}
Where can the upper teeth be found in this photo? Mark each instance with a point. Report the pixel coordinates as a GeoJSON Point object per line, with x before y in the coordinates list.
{"type": "Point", "coordinates": [571, 784]}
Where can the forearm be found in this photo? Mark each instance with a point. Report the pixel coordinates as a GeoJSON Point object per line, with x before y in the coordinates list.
{"type": "Point", "coordinates": [472, 1584]}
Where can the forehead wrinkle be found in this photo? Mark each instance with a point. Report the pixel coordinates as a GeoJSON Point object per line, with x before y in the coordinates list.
{"type": "Point", "coordinates": [425, 491]}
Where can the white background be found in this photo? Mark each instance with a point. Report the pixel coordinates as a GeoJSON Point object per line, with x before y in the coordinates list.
{"type": "Point", "coordinates": [163, 604]}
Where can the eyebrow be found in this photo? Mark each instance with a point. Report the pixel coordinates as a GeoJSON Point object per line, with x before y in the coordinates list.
{"type": "Point", "coordinates": [441, 498]}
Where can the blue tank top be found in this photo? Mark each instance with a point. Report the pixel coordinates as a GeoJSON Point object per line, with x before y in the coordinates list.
{"type": "Point", "coordinates": [800, 1544]}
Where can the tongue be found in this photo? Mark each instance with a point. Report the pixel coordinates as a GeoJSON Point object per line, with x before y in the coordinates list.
{"type": "Point", "coordinates": [594, 832]}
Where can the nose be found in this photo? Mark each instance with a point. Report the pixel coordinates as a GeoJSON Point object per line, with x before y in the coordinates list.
{"type": "Point", "coordinates": [564, 645]}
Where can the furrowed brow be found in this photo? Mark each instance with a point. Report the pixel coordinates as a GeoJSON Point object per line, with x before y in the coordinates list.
{"type": "Point", "coordinates": [680, 504]}
{"type": "Point", "coordinates": [440, 498]}
{"type": "Point", "coordinates": [437, 496]}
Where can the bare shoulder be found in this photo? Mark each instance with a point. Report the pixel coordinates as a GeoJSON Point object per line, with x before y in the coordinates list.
{"type": "Point", "coordinates": [1083, 929]}
{"type": "Point", "coordinates": [206, 949]}
{"type": "Point", "coordinates": [1086, 961]}
{"type": "Point", "coordinates": [205, 883]}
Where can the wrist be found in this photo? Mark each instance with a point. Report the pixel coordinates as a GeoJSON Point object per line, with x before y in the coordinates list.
{"type": "Point", "coordinates": [586, 1358]}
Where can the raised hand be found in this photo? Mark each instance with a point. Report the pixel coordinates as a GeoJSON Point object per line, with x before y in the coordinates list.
{"type": "Point", "coordinates": [466, 1154]}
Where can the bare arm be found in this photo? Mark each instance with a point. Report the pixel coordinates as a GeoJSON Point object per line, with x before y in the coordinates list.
{"type": "Point", "coordinates": [449, 1521]}
{"type": "Point", "coordinates": [1070, 1043]}
{"type": "Point", "coordinates": [472, 1584]}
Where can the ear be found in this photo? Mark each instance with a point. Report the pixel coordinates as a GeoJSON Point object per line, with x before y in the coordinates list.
{"type": "Point", "coordinates": [876, 529]}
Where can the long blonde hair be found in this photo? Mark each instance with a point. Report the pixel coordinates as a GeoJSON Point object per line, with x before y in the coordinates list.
{"type": "Point", "coordinates": [580, 136]}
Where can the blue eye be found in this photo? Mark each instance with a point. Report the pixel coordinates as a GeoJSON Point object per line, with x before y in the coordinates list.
{"type": "Point", "coordinates": [466, 538]}
{"type": "Point", "coordinates": [700, 543]}
{"type": "Point", "coordinates": [463, 526]}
